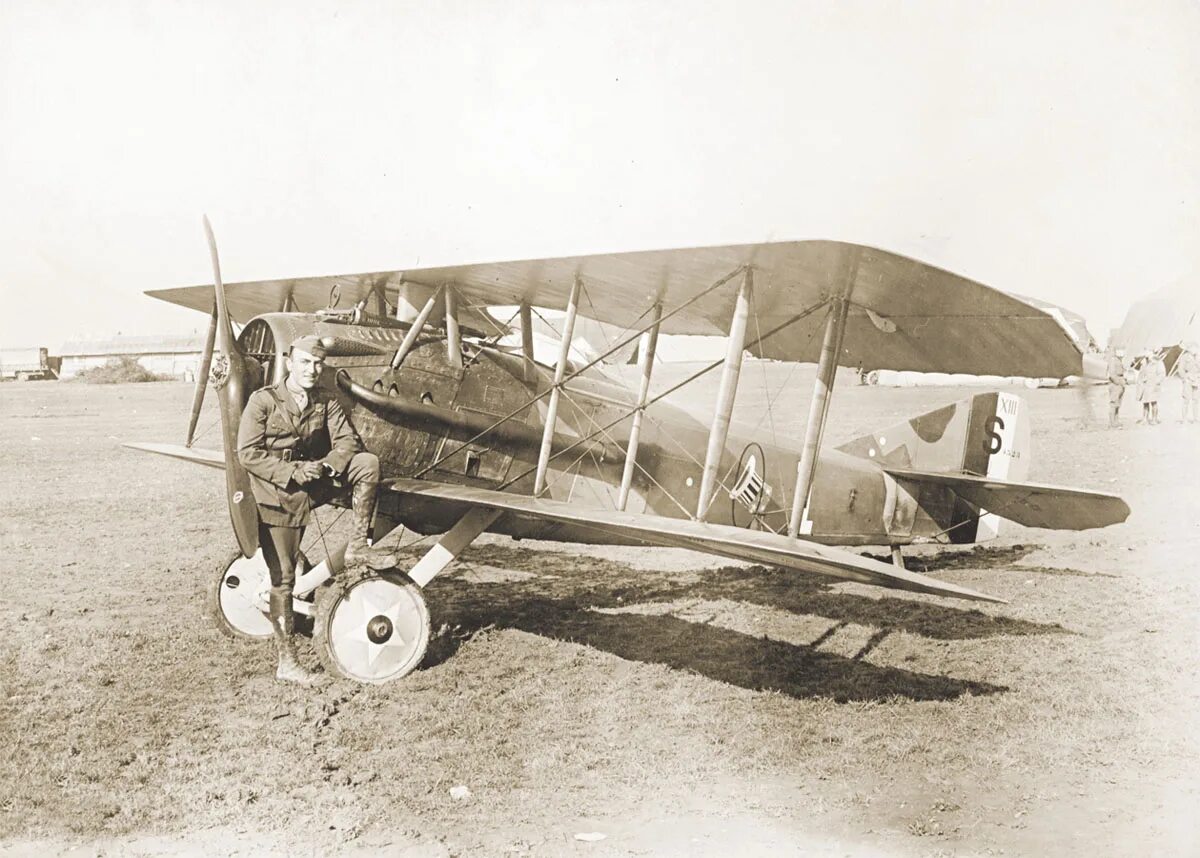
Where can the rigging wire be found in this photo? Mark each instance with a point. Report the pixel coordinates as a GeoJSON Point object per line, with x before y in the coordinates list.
{"type": "Point", "coordinates": [206, 429]}
{"type": "Point", "coordinates": [574, 373]}
{"type": "Point", "coordinates": [638, 465]}
{"type": "Point", "coordinates": [709, 368]}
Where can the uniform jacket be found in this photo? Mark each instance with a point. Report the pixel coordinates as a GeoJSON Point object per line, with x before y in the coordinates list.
{"type": "Point", "coordinates": [1150, 380]}
{"type": "Point", "coordinates": [1116, 371]}
{"type": "Point", "coordinates": [273, 430]}
{"type": "Point", "coordinates": [1188, 368]}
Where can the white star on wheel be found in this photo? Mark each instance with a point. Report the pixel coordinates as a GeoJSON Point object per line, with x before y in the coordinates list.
{"type": "Point", "coordinates": [368, 609]}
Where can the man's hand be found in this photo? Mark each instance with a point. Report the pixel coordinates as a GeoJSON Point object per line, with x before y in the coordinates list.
{"type": "Point", "coordinates": [307, 472]}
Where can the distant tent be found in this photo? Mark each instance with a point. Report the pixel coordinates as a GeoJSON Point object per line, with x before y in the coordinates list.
{"type": "Point", "coordinates": [1167, 318]}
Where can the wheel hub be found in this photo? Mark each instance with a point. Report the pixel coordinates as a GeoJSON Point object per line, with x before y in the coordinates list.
{"type": "Point", "coordinates": [379, 629]}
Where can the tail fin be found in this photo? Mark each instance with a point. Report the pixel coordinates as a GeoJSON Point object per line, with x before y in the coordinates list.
{"type": "Point", "coordinates": [986, 435]}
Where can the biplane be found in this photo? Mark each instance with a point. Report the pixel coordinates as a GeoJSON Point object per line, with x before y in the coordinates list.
{"type": "Point", "coordinates": [475, 434]}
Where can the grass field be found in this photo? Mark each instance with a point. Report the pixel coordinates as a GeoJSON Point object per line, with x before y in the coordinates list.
{"type": "Point", "coordinates": [673, 703]}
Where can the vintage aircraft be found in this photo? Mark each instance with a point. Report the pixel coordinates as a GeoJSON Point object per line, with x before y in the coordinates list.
{"type": "Point", "coordinates": [475, 436]}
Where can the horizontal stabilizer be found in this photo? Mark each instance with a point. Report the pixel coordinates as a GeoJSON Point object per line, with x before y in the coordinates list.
{"type": "Point", "coordinates": [211, 458]}
{"type": "Point", "coordinates": [1030, 504]}
{"type": "Point", "coordinates": [723, 540]}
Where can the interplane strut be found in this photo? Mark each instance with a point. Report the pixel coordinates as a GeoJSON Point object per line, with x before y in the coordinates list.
{"type": "Point", "coordinates": [560, 369]}
{"type": "Point", "coordinates": [726, 394]}
{"type": "Point", "coordinates": [818, 410]}
{"type": "Point", "coordinates": [647, 346]}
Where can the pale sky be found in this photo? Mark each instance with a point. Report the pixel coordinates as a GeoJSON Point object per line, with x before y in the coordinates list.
{"type": "Point", "coordinates": [1044, 148]}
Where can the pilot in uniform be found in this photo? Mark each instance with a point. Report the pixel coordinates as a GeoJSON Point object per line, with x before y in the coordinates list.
{"type": "Point", "coordinates": [301, 451]}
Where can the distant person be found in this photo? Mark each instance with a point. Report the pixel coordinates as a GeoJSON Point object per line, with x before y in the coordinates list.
{"type": "Point", "coordinates": [1116, 385]}
{"type": "Point", "coordinates": [1150, 380]}
{"type": "Point", "coordinates": [1188, 370]}
{"type": "Point", "coordinates": [1139, 385]}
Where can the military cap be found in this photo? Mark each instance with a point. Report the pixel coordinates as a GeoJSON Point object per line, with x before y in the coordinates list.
{"type": "Point", "coordinates": [310, 343]}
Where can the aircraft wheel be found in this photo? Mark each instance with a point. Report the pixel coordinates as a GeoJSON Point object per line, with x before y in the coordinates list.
{"type": "Point", "coordinates": [233, 596]}
{"type": "Point", "coordinates": [371, 626]}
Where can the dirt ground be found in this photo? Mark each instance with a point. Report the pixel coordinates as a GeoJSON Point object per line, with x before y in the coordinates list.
{"type": "Point", "coordinates": [656, 702]}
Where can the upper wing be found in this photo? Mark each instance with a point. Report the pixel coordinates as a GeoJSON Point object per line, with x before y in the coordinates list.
{"type": "Point", "coordinates": [723, 540]}
{"type": "Point", "coordinates": [1030, 504]}
{"type": "Point", "coordinates": [920, 317]}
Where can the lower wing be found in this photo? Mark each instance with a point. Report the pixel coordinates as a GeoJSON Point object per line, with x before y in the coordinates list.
{"type": "Point", "coordinates": [722, 540]}
{"type": "Point", "coordinates": [211, 458]}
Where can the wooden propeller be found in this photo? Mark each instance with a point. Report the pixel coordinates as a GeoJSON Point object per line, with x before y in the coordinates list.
{"type": "Point", "coordinates": [232, 383]}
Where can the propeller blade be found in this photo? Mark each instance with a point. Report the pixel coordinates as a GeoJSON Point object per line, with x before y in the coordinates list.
{"type": "Point", "coordinates": [232, 394]}
{"type": "Point", "coordinates": [202, 377]}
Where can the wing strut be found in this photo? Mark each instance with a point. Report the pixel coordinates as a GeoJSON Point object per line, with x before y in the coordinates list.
{"type": "Point", "coordinates": [818, 409]}
{"type": "Point", "coordinates": [418, 324]}
{"type": "Point", "coordinates": [646, 348]}
{"type": "Point", "coordinates": [560, 369]}
{"type": "Point", "coordinates": [527, 341]}
{"type": "Point", "coordinates": [453, 339]}
{"type": "Point", "coordinates": [730, 372]}
{"type": "Point", "coordinates": [202, 377]}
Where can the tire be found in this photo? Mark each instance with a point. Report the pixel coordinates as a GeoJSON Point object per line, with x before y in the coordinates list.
{"type": "Point", "coordinates": [232, 600]}
{"type": "Point", "coordinates": [371, 627]}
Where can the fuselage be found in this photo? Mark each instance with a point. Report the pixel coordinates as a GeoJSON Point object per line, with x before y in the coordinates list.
{"type": "Point", "coordinates": [446, 410]}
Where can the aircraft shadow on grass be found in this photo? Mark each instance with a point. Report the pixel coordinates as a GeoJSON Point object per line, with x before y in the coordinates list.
{"type": "Point", "coordinates": [561, 599]}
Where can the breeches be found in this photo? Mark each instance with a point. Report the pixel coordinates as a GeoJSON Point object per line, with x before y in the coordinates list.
{"type": "Point", "coordinates": [1190, 392]}
{"type": "Point", "coordinates": [281, 549]}
{"type": "Point", "coordinates": [281, 545]}
{"type": "Point", "coordinates": [363, 468]}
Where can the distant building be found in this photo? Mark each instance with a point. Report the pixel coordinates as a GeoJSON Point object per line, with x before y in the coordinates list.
{"type": "Point", "coordinates": [177, 356]}
{"type": "Point", "coordinates": [32, 364]}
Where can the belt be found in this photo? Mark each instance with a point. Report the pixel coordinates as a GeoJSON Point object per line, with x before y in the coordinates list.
{"type": "Point", "coordinates": [289, 455]}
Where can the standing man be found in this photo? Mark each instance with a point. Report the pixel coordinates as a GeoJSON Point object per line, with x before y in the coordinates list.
{"type": "Point", "coordinates": [1116, 385]}
{"type": "Point", "coordinates": [1188, 370]}
{"type": "Point", "coordinates": [301, 452]}
{"type": "Point", "coordinates": [1154, 373]}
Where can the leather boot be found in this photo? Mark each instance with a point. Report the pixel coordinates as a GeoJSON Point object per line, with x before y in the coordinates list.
{"type": "Point", "coordinates": [283, 625]}
{"type": "Point", "coordinates": [358, 553]}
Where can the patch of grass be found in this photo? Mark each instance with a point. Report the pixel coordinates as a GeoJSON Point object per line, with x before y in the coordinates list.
{"type": "Point", "coordinates": [123, 369]}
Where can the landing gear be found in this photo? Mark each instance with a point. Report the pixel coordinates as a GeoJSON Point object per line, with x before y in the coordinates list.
{"type": "Point", "coordinates": [371, 626]}
{"type": "Point", "coordinates": [237, 596]}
